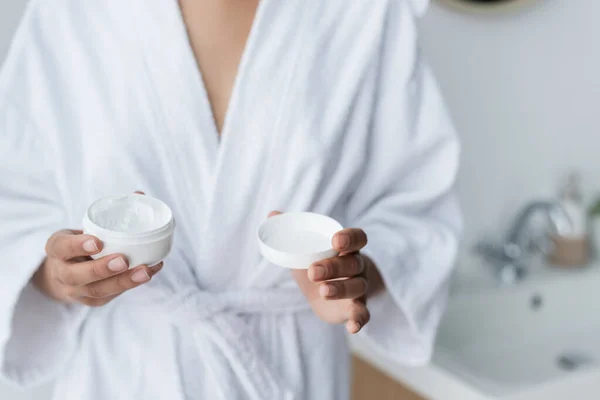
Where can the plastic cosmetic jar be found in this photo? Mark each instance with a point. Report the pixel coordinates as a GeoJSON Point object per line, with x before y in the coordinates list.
{"type": "Point", "coordinates": [138, 226]}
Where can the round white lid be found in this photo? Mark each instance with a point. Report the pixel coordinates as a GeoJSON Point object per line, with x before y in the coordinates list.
{"type": "Point", "coordinates": [297, 239]}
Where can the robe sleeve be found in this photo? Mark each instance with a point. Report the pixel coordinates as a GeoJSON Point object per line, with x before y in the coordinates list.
{"type": "Point", "coordinates": [406, 201]}
{"type": "Point", "coordinates": [36, 333]}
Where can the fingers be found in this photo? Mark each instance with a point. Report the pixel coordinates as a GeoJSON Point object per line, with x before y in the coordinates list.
{"type": "Point", "coordinates": [346, 266]}
{"type": "Point", "coordinates": [66, 245]}
{"type": "Point", "coordinates": [274, 213]}
{"type": "Point", "coordinates": [349, 240]}
{"type": "Point", "coordinates": [156, 268]}
{"type": "Point", "coordinates": [358, 316]}
{"type": "Point", "coordinates": [82, 273]}
{"type": "Point", "coordinates": [118, 284]}
{"type": "Point", "coordinates": [347, 289]}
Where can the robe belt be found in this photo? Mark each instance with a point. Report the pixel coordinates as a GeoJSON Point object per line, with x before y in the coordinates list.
{"type": "Point", "coordinates": [227, 347]}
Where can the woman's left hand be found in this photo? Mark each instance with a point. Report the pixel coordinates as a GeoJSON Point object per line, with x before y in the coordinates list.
{"type": "Point", "coordinates": [337, 288]}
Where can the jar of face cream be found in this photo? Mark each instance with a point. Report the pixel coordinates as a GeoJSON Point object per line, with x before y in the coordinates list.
{"type": "Point", "coordinates": [137, 226]}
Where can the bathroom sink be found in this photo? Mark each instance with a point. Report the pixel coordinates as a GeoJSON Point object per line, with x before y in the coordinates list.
{"type": "Point", "coordinates": [531, 337]}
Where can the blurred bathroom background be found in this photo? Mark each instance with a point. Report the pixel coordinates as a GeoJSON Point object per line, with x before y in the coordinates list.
{"type": "Point", "coordinates": [523, 87]}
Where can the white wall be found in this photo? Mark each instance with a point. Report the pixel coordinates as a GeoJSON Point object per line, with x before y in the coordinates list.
{"type": "Point", "coordinates": [524, 90]}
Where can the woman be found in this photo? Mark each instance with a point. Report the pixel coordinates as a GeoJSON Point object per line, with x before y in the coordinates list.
{"type": "Point", "coordinates": [226, 110]}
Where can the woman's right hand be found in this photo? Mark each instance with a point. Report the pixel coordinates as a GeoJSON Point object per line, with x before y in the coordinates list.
{"type": "Point", "coordinates": [70, 275]}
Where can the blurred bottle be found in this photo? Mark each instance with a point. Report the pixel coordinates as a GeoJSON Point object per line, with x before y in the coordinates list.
{"type": "Point", "coordinates": [571, 243]}
{"type": "Point", "coordinates": [594, 227]}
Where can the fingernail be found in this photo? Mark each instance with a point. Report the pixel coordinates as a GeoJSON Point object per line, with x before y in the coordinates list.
{"type": "Point", "coordinates": [140, 276]}
{"type": "Point", "coordinates": [155, 268]}
{"type": "Point", "coordinates": [355, 327]}
{"type": "Point", "coordinates": [318, 272]}
{"type": "Point", "coordinates": [328, 290]}
{"type": "Point", "coordinates": [343, 241]}
{"type": "Point", "coordinates": [90, 246]}
{"type": "Point", "coordinates": [118, 264]}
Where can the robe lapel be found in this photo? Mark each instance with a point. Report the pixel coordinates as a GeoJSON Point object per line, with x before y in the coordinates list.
{"type": "Point", "coordinates": [225, 183]}
{"type": "Point", "coordinates": [248, 156]}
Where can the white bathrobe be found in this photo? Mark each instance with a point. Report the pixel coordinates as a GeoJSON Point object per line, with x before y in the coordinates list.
{"type": "Point", "coordinates": [333, 111]}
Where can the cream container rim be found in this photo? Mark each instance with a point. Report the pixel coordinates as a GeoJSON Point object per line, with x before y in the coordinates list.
{"type": "Point", "coordinates": [319, 219]}
{"type": "Point", "coordinates": [157, 233]}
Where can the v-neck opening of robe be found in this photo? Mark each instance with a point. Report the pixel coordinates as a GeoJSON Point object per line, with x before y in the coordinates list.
{"type": "Point", "coordinates": [224, 174]}
{"type": "Point", "coordinates": [245, 60]}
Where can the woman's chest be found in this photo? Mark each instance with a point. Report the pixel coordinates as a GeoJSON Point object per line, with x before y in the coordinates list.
{"type": "Point", "coordinates": [218, 33]}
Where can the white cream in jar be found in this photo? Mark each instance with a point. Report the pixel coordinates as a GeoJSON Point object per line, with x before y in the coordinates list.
{"type": "Point", "coordinates": [138, 226]}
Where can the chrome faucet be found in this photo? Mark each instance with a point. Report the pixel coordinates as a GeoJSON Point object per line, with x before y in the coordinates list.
{"type": "Point", "coordinates": [510, 256]}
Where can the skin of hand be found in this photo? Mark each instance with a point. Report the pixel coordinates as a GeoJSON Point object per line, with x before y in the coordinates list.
{"type": "Point", "coordinates": [70, 275]}
{"type": "Point", "coordinates": [337, 288]}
